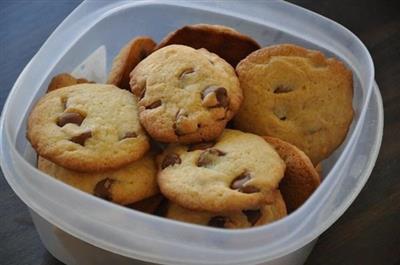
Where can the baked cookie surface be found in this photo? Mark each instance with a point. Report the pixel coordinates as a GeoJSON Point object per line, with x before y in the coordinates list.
{"type": "Point", "coordinates": [226, 42]}
{"type": "Point", "coordinates": [242, 219]}
{"type": "Point", "coordinates": [298, 95]}
{"type": "Point", "coordinates": [185, 95]}
{"type": "Point", "coordinates": [131, 183]}
{"type": "Point", "coordinates": [301, 178]}
{"type": "Point", "coordinates": [128, 57]}
{"type": "Point", "coordinates": [87, 127]}
{"type": "Point", "coordinates": [238, 171]}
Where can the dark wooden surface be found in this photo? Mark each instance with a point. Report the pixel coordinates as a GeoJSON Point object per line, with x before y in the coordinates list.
{"type": "Point", "coordinates": [369, 231]}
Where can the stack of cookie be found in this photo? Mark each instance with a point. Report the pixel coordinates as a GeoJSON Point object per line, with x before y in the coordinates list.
{"type": "Point", "coordinates": [156, 138]}
{"type": "Point", "coordinates": [89, 136]}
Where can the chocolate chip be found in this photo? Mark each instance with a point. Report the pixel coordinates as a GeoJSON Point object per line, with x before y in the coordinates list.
{"type": "Point", "coordinates": [141, 93]}
{"type": "Point", "coordinates": [208, 156]}
{"type": "Point", "coordinates": [178, 115]}
{"type": "Point", "coordinates": [217, 221]}
{"type": "Point", "coordinates": [154, 105]}
{"type": "Point", "coordinates": [216, 152]}
{"type": "Point", "coordinates": [249, 189]}
{"type": "Point", "coordinates": [129, 135]}
{"type": "Point", "coordinates": [64, 102]}
{"type": "Point", "coordinates": [81, 138]}
{"type": "Point", "coordinates": [239, 183]}
{"type": "Point", "coordinates": [280, 112]}
{"type": "Point", "coordinates": [282, 89]}
{"type": "Point", "coordinates": [170, 160]}
{"type": "Point", "coordinates": [313, 128]}
{"type": "Point", "coordinates": [70, 117]}
{"type": "Point", "coordinates": [184, 124]}
{"type": "Point", "coordinates": [252, 216]}
{"type": "Point", "coordinates": [221, 96]}
{"type": "Point", "coordinates": [103, 189]}
{"type": "Point", "coordinates": [200, 146]}
{"type": "Point", "coordinates": [186, 72]}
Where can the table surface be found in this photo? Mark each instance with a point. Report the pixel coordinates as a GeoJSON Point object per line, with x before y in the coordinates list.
{"type": "Point", "coordinates": [368, 232]}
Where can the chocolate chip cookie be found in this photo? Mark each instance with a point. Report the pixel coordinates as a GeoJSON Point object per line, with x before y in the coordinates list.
{"type": "Point", "coordinates": [297, 95]}
{"type": "Point", "coordinates": [224, 41]}
{"type": "Point", "coordinates": [301, 178]}
{"type": "Point", "coordinates": [87, 127]}
{"type": "Point", "coordinates": [237, 171]}
{"type": "Point", "coordinates": [242, 219]}
{"type": "Point", "coordinates": [129, 56]}
{"type": "Point", "coordinates": [131, 183]}
{"type": "Point", "coordinates": [185, 95]}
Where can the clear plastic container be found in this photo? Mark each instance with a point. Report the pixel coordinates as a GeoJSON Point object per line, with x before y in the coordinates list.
{"type": "Point", "coordinates": [118, 235]}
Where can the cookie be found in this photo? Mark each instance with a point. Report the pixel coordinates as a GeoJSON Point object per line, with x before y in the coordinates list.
{"type": "Point", "coordinates": [63, 80]}
{"type": "Point", "coordinates": [87, 127]}
{"type": "Point", "coordinates": [129, 56]}
{"type": "Point", "coordinates": [131, 183]}
{"type": "Point", "coordinates": [242, 219]}
{"type": "Point", "coordinates": [185, 95]}
{"type": "Point", "coordinates": [226, 42]}
{"type": "Point", "coordinates": [237, 171]}
{"type": "Point", "coordinates": [301, 178]}
{"type": "Point", "coordinates": [297, 95]}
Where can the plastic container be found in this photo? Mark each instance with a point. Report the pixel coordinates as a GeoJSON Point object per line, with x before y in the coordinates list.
{"type": "Point", "coordinates": [118, 235]}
